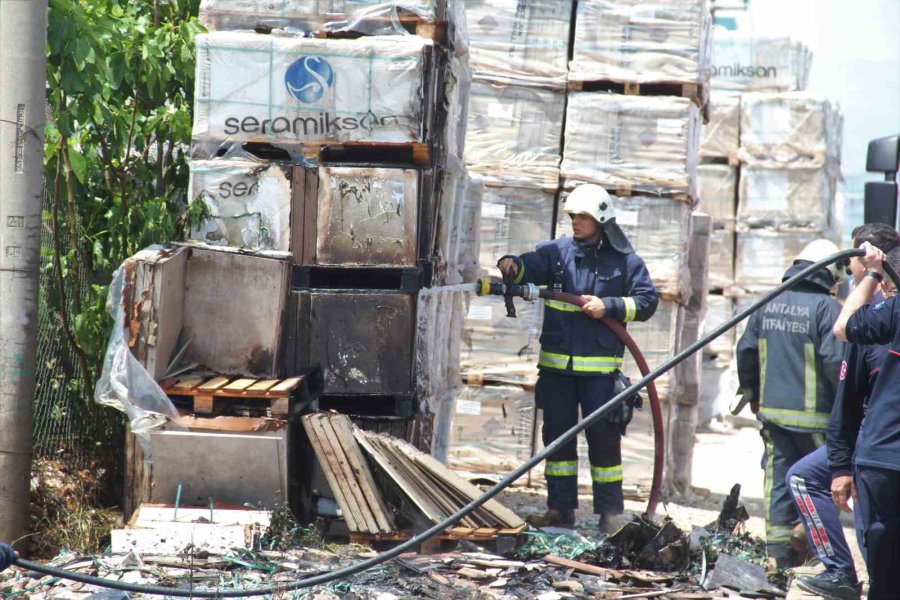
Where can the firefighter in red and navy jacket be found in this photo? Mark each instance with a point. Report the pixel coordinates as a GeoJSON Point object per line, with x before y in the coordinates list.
{"type": "Point", "coordinates": [580, 357]}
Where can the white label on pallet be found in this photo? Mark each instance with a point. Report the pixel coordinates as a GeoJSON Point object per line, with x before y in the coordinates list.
{"type": "Point", "coordinates": [468, 407]}
{"type": "Point", "coordinates": [493, 210]}
{"type": "Point", "coordinates": [480, 313]}
{"type": "Point", "coordinates": [669, 126]}
{"type": "Point", "coordinates": [627, 218]}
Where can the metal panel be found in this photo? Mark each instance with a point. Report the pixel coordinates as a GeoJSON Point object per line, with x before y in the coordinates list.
{"type": "Point", "coordinates": [364, 341]}
{"type": "Point", "coordinates": [367, 216]}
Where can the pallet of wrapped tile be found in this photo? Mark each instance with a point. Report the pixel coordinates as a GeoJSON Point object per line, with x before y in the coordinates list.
{"type": "Point", "coordinates": [763, 255]}
{"type": "Point", "coordinates": [747, 63]}
{"type": "Point", "coordinates": [640, 144]}
{"type": "Point", "coordinates": [718, 198]}
{"type": "Point", "coordinates": [641, 50]}
{"type": "Point", "coordinates": [792, 196]}
{"type": "Point", "coordinates": [370, 17]}
{"type": "Point", "coordinates": [719, 308]}
{"type": "Point", "coordinates": [235, 107]}
{"type": "Point", "coordinates": [790, 127]}
{"type": "Point", "coordinates": [659, 230]}
{"type": "Point", "coordinates": [525, 43]}
{"type": "Point", "coordinates": [491, 431]}
{"type": "Point", "coordinates": [720, 138]}
{"type": "Point", "coordinates": [513, 134]}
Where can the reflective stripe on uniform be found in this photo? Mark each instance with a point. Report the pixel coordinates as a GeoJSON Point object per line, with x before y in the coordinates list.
{"type": "Point", "coordinates": [763, 358]}
{"type": "Point", "coordinates": [606, 474]}
{"type": "Point", "coordinates": [809, 365]}
{"type": "Point", "coordinates": [630, 309]}
{"type": "Point", "coordinates": [561, 468]}
{"type": "Point", "coordinates": [581, 364]}
{"type": "Point", "coordinates": [521, 274]}
{"type": "Point", "coordinates": [794, 418]}
{"type": "Point", "coordinates": [554, 361]}
{"type": "Point", "coordinates": [596, 364]}
{"type": "Point", "coordinates": [563, 306]}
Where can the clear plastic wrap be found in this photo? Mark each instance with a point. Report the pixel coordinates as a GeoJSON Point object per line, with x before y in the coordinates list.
{"type": "Point", "coordinates": [367, 216]}
{"type": "Point", "coordinates": [249, 203]}
{"type": "Point", "coordinates": [457, 92]}
{"type": "Point", "coordinates": [288, 90]}
{"type": "Point", "coordinates": [796, 196]}
{"type": "Point", "coordinates": [721, 254]}
{"type": "Point", "coordinates": [520, 41]}
{"type": "Point", "coordinates": [659, 229]}
{"type": "Point", "coordinates": [720, 137]}
{"type": "Point", "coordinates": [514, 132]}
{"type": "Point", "coordinates": [440, 316]}
{"type": "Point", "coordinates": [491, 429]}
{"type": "Point", "coordinates": [790, 127]}
{"type": "Point", "coordinates": [719, 308]}
{"type": "Point", "coordinates": [718, 192]}
{"type": "Point", "coordinates": [743, 63]}
{"type": "Point", "coordinates": [457, 236]}
{"type": "Point", "coordinates": [124, 383]}
{"type": "Point", "coordinates": [640, 41]}
{"type": "Point", "coordinates": [762, 255]}
{"type": "Point", "coordinates": [640, 143]}
{"type": "Point", "coordinates": [367, 17]}
{"type": "Point", "coordinates": [658, 340]}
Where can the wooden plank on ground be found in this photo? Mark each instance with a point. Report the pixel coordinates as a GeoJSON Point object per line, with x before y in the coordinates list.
{"type": "Point", "coordinates": [506, 516]}
{"type": "Point", "coordinates": [214, 384]}
{"type": "Point", "coordinates": [342, 426]}
{"type": "Point", "coordinates": [187, 383]}
{"type": "Point", "coordinates": [287, 385]}
{"type": "Point", "coordinates": [367, 441]}
{"type": "Point", "coordinates": [239, 384]}
{"type": "Point", "coordinates": [262, 386]}
{"type": "Point", "coordinates": [325, 462]}
{"type": "Point", "coordinates": [359, 499]}
{"type": "Point", "coordinates": [332, 469]}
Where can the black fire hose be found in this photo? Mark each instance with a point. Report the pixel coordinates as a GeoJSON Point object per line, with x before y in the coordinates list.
{"type": "Point", "coordinates": [410, 544]}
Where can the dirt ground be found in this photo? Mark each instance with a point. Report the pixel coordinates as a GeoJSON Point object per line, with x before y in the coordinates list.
{"type": "Point", "coordinates": [725, 453]}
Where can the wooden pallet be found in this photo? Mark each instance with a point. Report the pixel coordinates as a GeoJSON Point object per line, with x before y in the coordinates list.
{"type": "Point", "coordinates": [693, 91]}
{"type": "Point", "coordinates": [454, 534]}
{"type": "Point", "coordinates": [354, 27]}
{"type": "Point", "coordinates": [211, 393]}
{"type": "Point", "coordinates": [411, 153]}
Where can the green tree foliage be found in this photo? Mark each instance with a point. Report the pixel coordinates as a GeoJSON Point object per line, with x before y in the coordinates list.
{"type": "Point", "coordinates": [120, 92]}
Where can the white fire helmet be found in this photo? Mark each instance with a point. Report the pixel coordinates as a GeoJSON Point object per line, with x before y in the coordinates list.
{"type": "Point", "coordinates": [594, 201]}
{"type": "Point", "coordinates": [819, 249]}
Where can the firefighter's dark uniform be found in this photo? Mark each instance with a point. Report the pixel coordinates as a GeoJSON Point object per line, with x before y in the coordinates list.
{"type": "Point", "coordinates": [877, 457]}
{"type": "Point", "coordinates": [581, 356]}
{"type": "Point", "coordinates": [789, 360]}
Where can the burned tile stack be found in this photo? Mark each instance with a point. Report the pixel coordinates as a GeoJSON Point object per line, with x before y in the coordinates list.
{"type": "Point", "coordinates": [770, 163]}
{"type": "Point", "coordinates": [624, 113]}
{"type": "Point", "coordinates": [328, 179]}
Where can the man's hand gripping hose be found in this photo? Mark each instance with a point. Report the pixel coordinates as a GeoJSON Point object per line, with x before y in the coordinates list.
{"type": "Point", "coordinates": [412, 543]}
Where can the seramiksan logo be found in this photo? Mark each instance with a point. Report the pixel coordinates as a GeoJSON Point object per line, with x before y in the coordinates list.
{"type": "Point", "coordinates": [308, 78]}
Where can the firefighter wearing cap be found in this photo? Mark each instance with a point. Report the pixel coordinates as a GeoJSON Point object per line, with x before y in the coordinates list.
{"type": "Point", "coordinates": [788, 364]}
{"type": "Point", "coordinates": [580, 357]}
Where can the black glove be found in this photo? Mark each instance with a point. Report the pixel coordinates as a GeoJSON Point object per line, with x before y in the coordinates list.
{"type": "Point", "coordinates": [7, 556]}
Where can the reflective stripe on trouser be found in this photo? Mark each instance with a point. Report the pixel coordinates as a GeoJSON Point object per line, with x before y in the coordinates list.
{"type": "Point", "coordinates": [783, 448]}
{"type": "Point", "coordinates": [809, 481]}
{"type": "Point", "coordinates": [560, 396]}
{"type": "Point", "coordinates": [599, 365]}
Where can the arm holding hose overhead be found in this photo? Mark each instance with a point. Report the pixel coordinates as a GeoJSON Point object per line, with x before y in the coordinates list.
{"type": "Point", "coordinates": [868, 327]}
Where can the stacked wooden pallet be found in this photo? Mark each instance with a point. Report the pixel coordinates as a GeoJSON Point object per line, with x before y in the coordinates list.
{"type": "Point", "coordinates": [427, 486]}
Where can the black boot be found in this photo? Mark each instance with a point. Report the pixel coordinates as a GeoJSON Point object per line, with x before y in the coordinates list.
{"type": "Point", "coordinates": [554, 517]}
{"type": "Point", "coordinates": [833, 585]}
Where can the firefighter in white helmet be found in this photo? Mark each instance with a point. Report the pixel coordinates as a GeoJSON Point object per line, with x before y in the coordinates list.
{"type": "Point", "coordinates": [580, 357]}
{"type": "Point", "coordinates": [788, 365]}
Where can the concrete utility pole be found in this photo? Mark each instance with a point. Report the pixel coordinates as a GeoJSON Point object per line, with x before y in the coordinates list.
{"type": "Point", "coordinates": [23, 82]}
